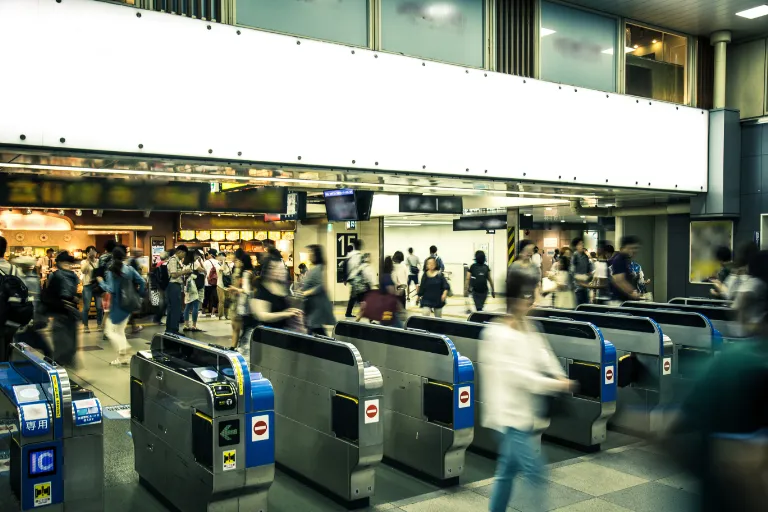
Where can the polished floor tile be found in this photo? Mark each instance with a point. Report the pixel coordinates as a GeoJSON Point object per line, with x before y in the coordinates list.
{"type": "Point", "coordinates": [641, 463]}
{"type": "Point", "coordinates": [593, 505]}
{"type": "Point", "coordinates": [525, 499]}
{"type": "Point", "coordinates": [593, 479]}
{"type": "Point", "coordinates": [654, 497]}
{"type": "Point", "coordinates": [466, 501]}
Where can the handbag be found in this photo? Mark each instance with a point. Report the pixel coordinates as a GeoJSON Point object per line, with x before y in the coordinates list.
{"type": "Point", "coordinates": [154, 297]}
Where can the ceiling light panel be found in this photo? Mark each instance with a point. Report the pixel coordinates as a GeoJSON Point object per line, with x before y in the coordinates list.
{"type": "Point", "coordinates": [755, 12]}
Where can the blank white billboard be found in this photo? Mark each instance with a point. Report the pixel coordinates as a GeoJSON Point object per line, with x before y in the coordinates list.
{"type": "Point", "coordinates": [90, 75]}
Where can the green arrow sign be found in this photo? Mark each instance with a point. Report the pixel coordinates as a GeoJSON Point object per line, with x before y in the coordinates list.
{"type": "Point", "coordinates": [228, 432]}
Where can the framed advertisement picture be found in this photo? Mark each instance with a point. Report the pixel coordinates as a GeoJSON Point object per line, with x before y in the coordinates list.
{"type": "Point", "coordinates": [706, 237]}
{"type": "Point", "coordinates": [157, 245]}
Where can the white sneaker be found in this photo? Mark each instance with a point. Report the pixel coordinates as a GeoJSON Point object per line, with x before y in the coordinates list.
{"type": "Point", "coordinates": [118, 362]}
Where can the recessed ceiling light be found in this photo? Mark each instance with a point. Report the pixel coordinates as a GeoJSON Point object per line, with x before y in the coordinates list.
{"type": "Point", "coordinates": [636, 47]}
{"type": "Point", "coordinates": [755, 12]}
{"type": "Point", "coordinates": [562, 220]}
{"type": "Point", "coordinates": [583, 216]}
{"type": "Point", "coordinates": [654, 41]}
{"type": "Point", "coordinates": [544, 32]}
{"type": "Point", "coordinates": [529, 215]}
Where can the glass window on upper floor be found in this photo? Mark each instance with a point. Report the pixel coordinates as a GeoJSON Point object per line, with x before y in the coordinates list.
{"type": "Point", "coordinates": [444, 30]}
{"type": "Point", "coordinates": [339, 21]}
{"type": "Point", "coordinates": [577, 47]}
{"type": "Point", "coordinates": [656, 64]}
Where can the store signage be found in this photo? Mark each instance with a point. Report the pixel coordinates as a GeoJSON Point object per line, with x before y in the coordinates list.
{"type": "Point", "coordinates": [99, 194]}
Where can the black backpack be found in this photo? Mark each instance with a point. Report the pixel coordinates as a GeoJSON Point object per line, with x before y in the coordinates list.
{"type": "Point", "coordinates": [15, 306]}
{"type": "Point", "coordinates": [162, 277]}
{"type": "Point", "coordinates": [478, 278]}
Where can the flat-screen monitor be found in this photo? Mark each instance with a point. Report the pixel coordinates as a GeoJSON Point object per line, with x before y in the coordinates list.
{"type": "Point", "coordinates": [415, 203]}
{"type": "Point", "coordinates": [364, 200]}
{"type": "Point", "coordinates": [340, 205]}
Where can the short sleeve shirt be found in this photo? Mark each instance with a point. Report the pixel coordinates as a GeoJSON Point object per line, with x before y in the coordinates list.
{"type": "Point", "coordinates": [174, 266]}
{"type": "Point", "coordinates": [621, 264]}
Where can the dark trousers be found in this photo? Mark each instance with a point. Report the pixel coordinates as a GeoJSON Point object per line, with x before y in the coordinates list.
{"type": "Point", "coordinates": [173, 298]}
{"type": "Point", "coordinates": [582, 295]}
{"type": "Point", "coordinates": [353, 299]}
{"type": "Point", "coordinates": [479, 298]}
{"type": "Point", "coordinates": [210, 299]}
{"type": "Point", "coordinates": [64, 338]}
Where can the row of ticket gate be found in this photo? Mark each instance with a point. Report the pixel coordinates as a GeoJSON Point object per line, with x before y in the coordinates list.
{"type": "Point", "coordinates": [208, 427]}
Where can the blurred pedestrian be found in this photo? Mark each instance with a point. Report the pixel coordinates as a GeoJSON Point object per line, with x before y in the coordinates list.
{"type": "Point", "coordinates": [565, 297]}
{"type": "Point", "coordinates": [193, 290]}
{"type": "Point", "coordinates": [242, 281]}
{"type": "Point", "coordinates": [127, 288]}
{"type": "Point", "coordinates": [159, 279]}
{"type": "Point", "coordinates": [518, 369]}
{"type": "Point", "coordinates": [478, 279]}
{"type": "Point", "coordinates": [60, 300]}
{"type": "Point", "coordinates": [739, 272]}
{"type": "Point", "coordinates": [318, 310]}
{"type": "Point", "coordinates": [134, 261]}
{"type": "Point", "coordinates": [623, 280]}
{"type": "Point", "coordinates": [524, 260]}
{"type": "Point", "coordinates": [582, 271]}
{"type": "Point", "coordinates": [719, 433]}
{"type": "Point", "coordinates": [223, 281]}
{"type": "Point", "coordinates": [270, 305]}
{"type": "Point", "coordinates": [400, 276]}
{"type": "Point", "coordinates": [723, 256]}
{"type": "Point", "coordinates": [87, 267]}
{"type": "Point", "coordinates": [433, 290]}
{"type": "Point", "coordinates": [357, 280]}
{"type": "Point", "coordinates": [414, 263]}
{"type": "Point", "coordinates": [536, 258]}
{"type": "Point", "coordinates": [176, 274]}
{"type": "Point", "coordinates": [31, 333]}
{"type": "Point", "coordinates": [210, 296]}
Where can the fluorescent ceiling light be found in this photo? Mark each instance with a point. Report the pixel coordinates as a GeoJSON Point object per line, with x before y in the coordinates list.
{"type": "Point", "coordinates": [544, 32]}
{"type": "Point", "coordinates": [755, 12]}
{"type": "Point", "coordinates": [562, 220]}
{"type": "Point", "coordinates": [528, 215]}
{"type": "Point", "coordinates": [549, 209]}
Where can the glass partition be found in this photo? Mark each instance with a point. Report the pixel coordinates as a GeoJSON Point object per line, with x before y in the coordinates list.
{"type": "Point", "coordinates": [339, 21]}
{"type": "Point", "coordinates": [445, 30]}
{"type": "Point", "coordinates": [656, 64]}
{"type": "Point", "coordinates": [577, 47]}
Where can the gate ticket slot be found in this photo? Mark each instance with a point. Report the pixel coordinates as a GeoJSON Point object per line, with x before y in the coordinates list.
{"type": "Point", "coordinates": [199, 414]}
{"type": "Point", "coordinates": [53, 421]}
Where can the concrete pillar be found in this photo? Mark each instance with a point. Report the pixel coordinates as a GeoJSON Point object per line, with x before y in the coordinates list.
{"type": "Point", "coordinates": [720, 40]}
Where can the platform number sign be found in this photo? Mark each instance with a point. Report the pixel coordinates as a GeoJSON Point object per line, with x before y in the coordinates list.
{"type": "Point", "coordinates": [609, 374]}
{"type": "Point", "coordinates": [464, 397]}
{"type": "Point", "coordinates": [260, 428]}
{"type": "Point", "coordinates": [667, 366]}
{"type": "Point", "coordinates": [230, 460]}
{"type": "Point", "coordinates": [42, 494]}
{"type": "Point", "coordinates": [372, 411]}
{"type": "Point", "coordinates": [343, 241]}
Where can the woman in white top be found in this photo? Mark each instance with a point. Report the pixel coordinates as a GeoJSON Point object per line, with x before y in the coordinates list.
{"type": "Point", "coordinates": [400, 276]}
{"type": "Point", "coordinates": [518, 369]}
{"type": "Point", "coordinates": [192, 294]}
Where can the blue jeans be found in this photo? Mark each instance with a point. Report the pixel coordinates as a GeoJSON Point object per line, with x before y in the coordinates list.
{"type": "Point", "coordinates": [517, 455]}
{"type": "Point", "coordinates": [87, 295]}
{"type": "Point", "coordinates": [173, 298]}
{"type": "Point", "coordinates": [191, 307]}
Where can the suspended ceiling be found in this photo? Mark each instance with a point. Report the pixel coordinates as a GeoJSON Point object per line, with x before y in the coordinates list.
{"type": "Point", "coordinates": [479, 193]}
{"type": "Point", "coordinates": [695, 17]}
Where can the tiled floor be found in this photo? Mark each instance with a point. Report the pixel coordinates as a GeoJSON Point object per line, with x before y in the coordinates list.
{"type": "Point", "coordinates": [628, 475]}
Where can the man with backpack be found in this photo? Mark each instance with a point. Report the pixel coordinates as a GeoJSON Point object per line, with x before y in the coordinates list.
{"type": "Point", "coordinates": [16, 307]}
{"type": "Point", "coordinates": [438, 261]}
{"type": "Point", "coordinates": [210, 297]}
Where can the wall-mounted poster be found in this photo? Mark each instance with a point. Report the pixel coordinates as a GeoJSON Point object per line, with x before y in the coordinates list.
{"type": "Point", "coordinates": [157, 244]}
{"type": "Point", "coordinates": [706, 237]}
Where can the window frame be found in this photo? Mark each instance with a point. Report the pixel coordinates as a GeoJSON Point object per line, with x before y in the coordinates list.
{"type": "Point", "coordinates": [690, 60]}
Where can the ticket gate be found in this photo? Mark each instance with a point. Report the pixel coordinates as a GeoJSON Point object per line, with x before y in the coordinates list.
{"type": "Point", "coordinates": [644, 367]}
{"type": "Point", "coordinates": [694, 340]}
{"type": "Point", "coordinates": [53, 421]}
{"type": "Point", "coordinates": [701, 301]}
{"type": "Point", "coordinates": [202, 426]}
{"type": "Point", "coordinates": [590, 360]}
{"type": "Point", "coordinates": [328, 403]}
{"type": "Point", "coordinates": [723, 319]}
{"type": "Point", "coordinates": [465, 336]}
{"type": "Point", "coordinates": [428, 388]}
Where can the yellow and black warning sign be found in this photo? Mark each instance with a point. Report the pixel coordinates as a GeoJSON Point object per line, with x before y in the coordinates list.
{"type": "Point", "coordinates": [230, 460]}
{"type": "Point", "coordinates": [42, 494]}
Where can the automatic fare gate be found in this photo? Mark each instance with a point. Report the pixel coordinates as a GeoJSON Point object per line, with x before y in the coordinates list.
{"type": "Point", "coordinates": [589, 359]}
{"type": "Point", "coordinates": [328, 403]}
{"type": "Point", "coordinates": [428, 396]}
{"type": "Point", "coordinates": [54, 423]}
{"type": "Point", "coordinates": [644, 368]}
{"type": "Point", "coordinates": [202, 426]}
